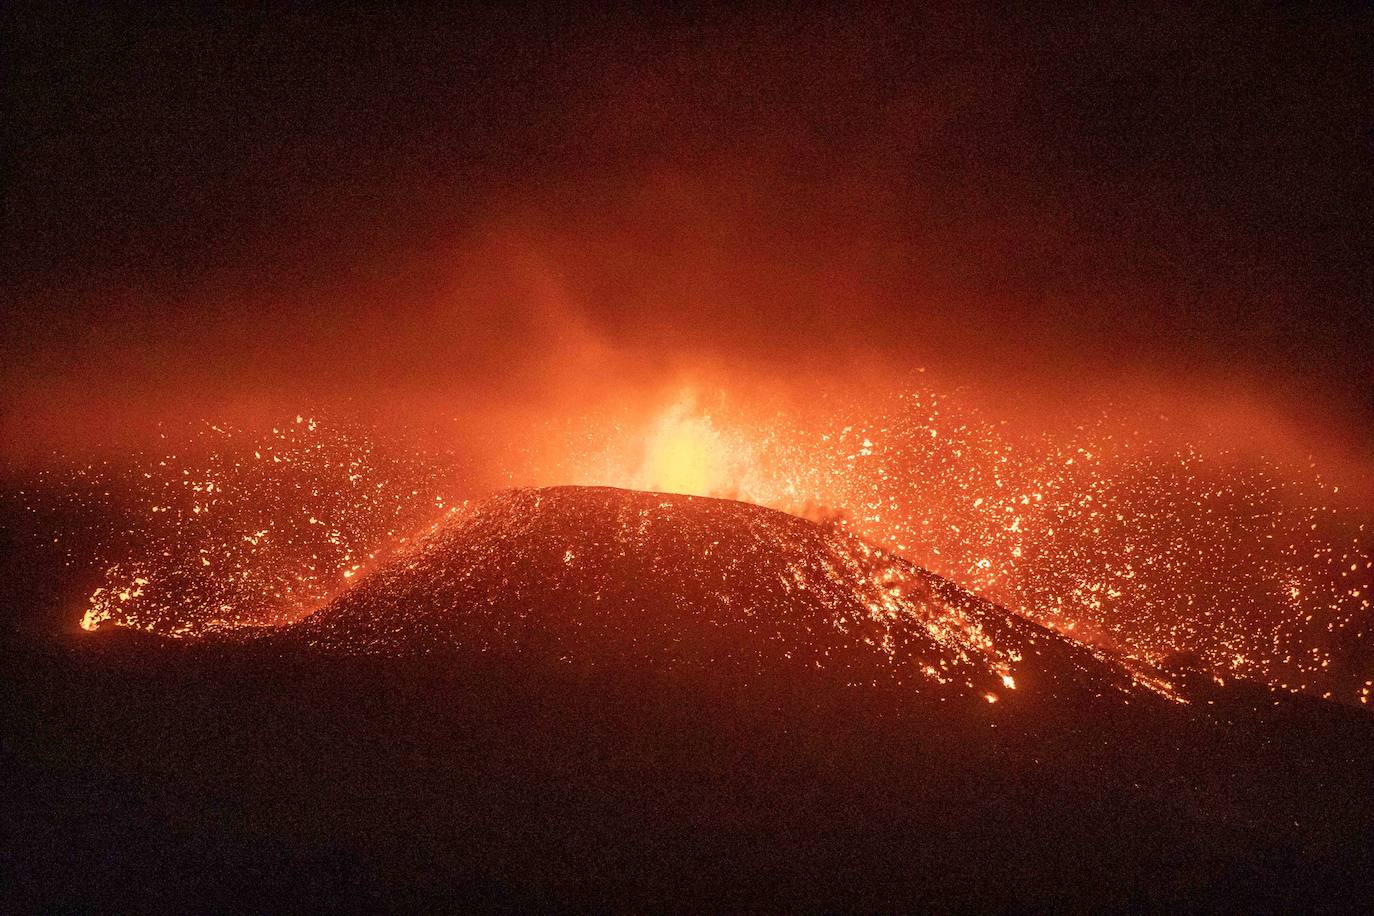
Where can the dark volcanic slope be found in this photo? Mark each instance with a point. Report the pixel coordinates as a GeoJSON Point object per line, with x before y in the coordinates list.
{"type": "Point", "coordinates": [596, 576]}
{"type": "Point", "coordinates": [493, 726]}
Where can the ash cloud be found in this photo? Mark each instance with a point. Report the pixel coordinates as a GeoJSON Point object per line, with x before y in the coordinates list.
{"type": "Point", "coordinates": [508, 216]}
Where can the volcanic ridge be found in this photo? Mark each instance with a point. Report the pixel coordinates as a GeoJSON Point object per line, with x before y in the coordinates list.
{"type": "Point", "coordinates": [605, 577]}
{"type": "Point", "coordinates": [592, 698]}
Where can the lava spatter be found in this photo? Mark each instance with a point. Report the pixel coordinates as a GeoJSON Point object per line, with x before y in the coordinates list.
{"type": "Point", "coordinates": [597, 577]}
{"type": "Point", "coordinates": [1117, 532]}
{"type": "Point", "coordinates": [237, 528]}
{"type": "Point", "coordinates": [1149, 548]}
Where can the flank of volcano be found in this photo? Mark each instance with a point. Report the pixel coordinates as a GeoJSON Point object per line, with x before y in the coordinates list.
{"type": "Point", "coordinates": [601, 577]}
{"type": "Point", "coordinates": [751, 709]}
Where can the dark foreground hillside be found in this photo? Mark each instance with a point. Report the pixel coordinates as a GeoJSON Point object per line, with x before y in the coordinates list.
{"type": "Point", "coordinates": [219, 779]}
{"type": "Point", "coordinates": [591, 699]}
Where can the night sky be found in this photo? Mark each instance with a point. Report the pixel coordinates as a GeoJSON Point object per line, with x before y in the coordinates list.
{"type": "Point", "coordinates": [421, 212]}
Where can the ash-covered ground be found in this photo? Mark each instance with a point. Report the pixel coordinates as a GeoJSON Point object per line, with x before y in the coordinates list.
{"type": "Point", "coordinates": [591, 698]}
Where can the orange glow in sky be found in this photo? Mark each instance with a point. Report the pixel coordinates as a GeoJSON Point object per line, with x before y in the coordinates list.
{"type": "Point", "coordinates": [684, 453]}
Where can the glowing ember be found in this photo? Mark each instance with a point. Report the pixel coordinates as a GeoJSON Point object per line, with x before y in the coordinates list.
{"type": "Point", "coordinates": [1256, 571]}
{"type": "Point", "coordinates": [684, 454]}
{"type": "Point", "coordinates": [239, 529]}
{"type": "Point", "coordinates": [597, 577]}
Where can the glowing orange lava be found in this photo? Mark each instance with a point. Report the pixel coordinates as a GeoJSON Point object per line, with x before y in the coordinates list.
{"type": "Point", "coordinates": [1257, 570]}
{"type": "Point", "coordinates": [1149, 547]}
{"type": "Point", "coordinates": [684, 454]}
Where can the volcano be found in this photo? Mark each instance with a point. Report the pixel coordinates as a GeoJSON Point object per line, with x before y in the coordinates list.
{"type": "Point", "coordinates": [602, 699]}
{"type": "Point", "coordinates": [603, 577]}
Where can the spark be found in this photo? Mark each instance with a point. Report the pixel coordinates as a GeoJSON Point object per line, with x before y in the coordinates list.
{"type": "Point", "coordinates": [1156, 549]}
{"type": "Point", "coordinates": [1257, 570]}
